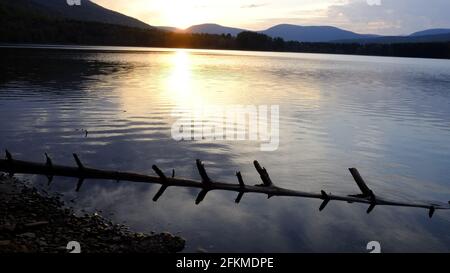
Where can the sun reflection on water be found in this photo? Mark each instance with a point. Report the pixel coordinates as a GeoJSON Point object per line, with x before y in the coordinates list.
{"type": "Point", "coordinates": [179, 83]}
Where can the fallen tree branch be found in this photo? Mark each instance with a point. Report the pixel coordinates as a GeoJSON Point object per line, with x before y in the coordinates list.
{"type": "Point", "coordinates": [12, 166]}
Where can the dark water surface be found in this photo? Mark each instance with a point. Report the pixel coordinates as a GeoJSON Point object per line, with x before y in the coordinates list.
{"type": "Point", "coordinates": [389, 117]}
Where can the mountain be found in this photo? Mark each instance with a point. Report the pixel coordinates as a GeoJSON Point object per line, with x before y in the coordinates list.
{"type": "Point", "coordinates": [312, 33]}
{"type": "Point", "coordinates": [213, 29]}
{"type": "Point", "coordinates": [436, 31]}
{"type": "Point", "coordinates": [166, 28]}
{"type": "Point", "coordinates": [287, 32]}
{"type": "Point", "coordinates": [328, 34]}
{"type": "Point", "coordinates": [400, 39]}
{"type": "Point", "coordinates": [87, 11]}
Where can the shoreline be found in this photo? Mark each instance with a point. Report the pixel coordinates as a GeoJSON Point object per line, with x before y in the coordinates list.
{"type": "Point", "coordinates": [146, 49]}
{"type": "Point", "coordinates": [33, 222]}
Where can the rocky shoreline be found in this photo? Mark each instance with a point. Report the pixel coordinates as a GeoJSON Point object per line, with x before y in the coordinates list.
{"type": "Point", "coordinates": [32, 222]}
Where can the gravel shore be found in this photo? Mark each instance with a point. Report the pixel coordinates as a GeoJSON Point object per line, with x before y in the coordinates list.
{"type": "Point", "coordinates": [32, 222]}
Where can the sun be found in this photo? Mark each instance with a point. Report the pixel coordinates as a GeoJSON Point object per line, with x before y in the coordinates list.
{"type": "Point", "coordinates": [180, 15]}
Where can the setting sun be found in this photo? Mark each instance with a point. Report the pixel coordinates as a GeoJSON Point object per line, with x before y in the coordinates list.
{"type": "Point", "coordinates": [182, 16]}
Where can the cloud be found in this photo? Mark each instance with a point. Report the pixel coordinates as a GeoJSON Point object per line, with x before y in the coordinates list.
{"type": "Point", "coordinates": [386, 17]}
{"type": "Point", "coordinates": [250, 6]}
{"type": "Point", "coordinates": [392, 16]}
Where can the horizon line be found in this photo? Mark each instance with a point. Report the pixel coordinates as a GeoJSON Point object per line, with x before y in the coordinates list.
{"type": "Point", "coordinates": [312, 25]}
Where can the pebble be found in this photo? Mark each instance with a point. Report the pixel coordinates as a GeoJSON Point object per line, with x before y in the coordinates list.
{"type": "Point", "coordinates": [8, 227]}
{"type": "Point", "coordinates": [28, 235]}
{"type": "Point", "coordinates": [36, 224]}
{"type": "Point", "coordinates": [5, 243]}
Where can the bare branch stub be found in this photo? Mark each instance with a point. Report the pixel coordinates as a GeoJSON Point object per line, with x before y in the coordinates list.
{"type": "Point", "coordinates": [160, 173]}
{"type": "Point", "coordinates": [201, 196]}
{"type": "Point", "coordinates": [241, 181]}
{"type": "Point", "coordinates": [325, 196]}
{"type": "Point", "coordinates": [431, 212]}
{"type": "Point", "coordinates": [10, 161]}
{"type": "Point", "coordinates": [160, 193]}
{"type": "Point", "coordinates": [163, 181]}
{"type": "Point", "coordinates": [241, 185]}
{"type": "Point", "coordinates": [48, 161]}
{"type": "Point", "coordinates": [326, 200]}
{"type": "Point", "coordinates": [79, 184]}
{"type": "Point", "coordinates": [201, 169]}
{"type": "Point", "coordinates": [267, 182]}
{"type": "Point", "coordinates": [78, 161]}
{"type": "Point", "coordinates": [366, 191]}
{"type": "Point", "coordinates": [371, 207]}
{"type": "Point", "coordinates": [239, 197]}
{"type": "Point", "coordinates": [8, 156]}
{"type": "Point", "coordinates": [80, 172]}
{"type": "Point", "coordinates": [207, 182]}
{"type": "Point", "coordinates": [49, 165]}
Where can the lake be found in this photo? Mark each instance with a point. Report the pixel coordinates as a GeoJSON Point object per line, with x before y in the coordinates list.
{"type": "Point", "coordinates": [388, 117]}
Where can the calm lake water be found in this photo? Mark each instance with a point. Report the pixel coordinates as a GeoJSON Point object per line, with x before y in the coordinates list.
{"type": "Point", "coordinates": [388, 117]}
